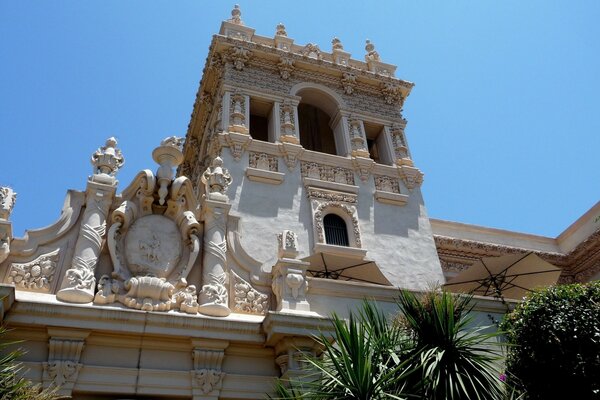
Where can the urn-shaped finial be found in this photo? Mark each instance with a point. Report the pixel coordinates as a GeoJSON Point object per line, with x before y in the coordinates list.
{"type": "Point", "coordinates": [336, 44]}
{"type": "Point", "coordinates": [168, 155]}
{"type": "Point", "coordinates": [371, 53]}
{"type": "Point", "coordinates": [107, 161]}
{"type": "Point", "coordinates": [236, 15]}
{"type": "Point", "coordinates": [280, 30]}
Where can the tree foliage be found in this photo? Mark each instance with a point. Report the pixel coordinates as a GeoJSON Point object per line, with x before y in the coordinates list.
{"type": "Point", "coordinates": [427, 352]}
{"type": "Point", "coordinates": [554, 338]}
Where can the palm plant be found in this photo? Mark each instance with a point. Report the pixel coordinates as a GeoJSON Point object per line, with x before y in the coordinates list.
{"type": "Point", "coordinates": [453, 359]}
{"type": "Point", "coordinates": [429, 352]}
{"type": "Point", "coordinates": [13, 387]}
{"type": "Point", "coordinates": [365, 361]}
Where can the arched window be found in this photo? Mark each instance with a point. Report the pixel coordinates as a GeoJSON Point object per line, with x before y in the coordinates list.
{"type": "Point", "coordinates": [336, 232]}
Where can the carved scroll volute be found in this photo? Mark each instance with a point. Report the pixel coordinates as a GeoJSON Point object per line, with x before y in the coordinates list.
{"type": "Point", "coordinates": [79, 281]}
{"type": "Point", "coordinates": [121, 220]}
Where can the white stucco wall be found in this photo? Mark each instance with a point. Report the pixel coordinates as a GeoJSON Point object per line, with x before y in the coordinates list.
{"type": "Point", "coordinates": [397, 238]}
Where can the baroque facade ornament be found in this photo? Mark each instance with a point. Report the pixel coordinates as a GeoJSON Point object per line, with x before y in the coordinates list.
{"type": "Point", "coordinates": [392, 94]}
{"type": "Point", "coordinates": [320, 194]}
{"type": "Point", "coordinates": [386, 184]}
{"type": "Point", "coordinates": [371, 55]}
{"type": "Point", "coordinates": [36, 275]}
{"type": "Point", "coordinates": [216, 179]}
{"type": "Point", "coordinates": [209, 380]}
{"type": "Point", "coordinates": [312, 51]}
{"type": "Point", "coordinates": [60, 372]}
{"type": "Point", "coordinates": [8, 198]}
{"type": "Point", "coordinates": [327, 173]}
{"type": "Point", "coordinates": [107, 160]}
{"type": "Point", "coordinates": [247, 299]}
{"type": "Point", "coordinates": [263, 161]}
{"type": "Point", "coordinates": [285, 67]}
{"type": "Point", "coordinates": [348, 82]}
{"type": "Point", "coordinates": [239, 56]}
{"type": "Point", "coordinates": [153, 240]}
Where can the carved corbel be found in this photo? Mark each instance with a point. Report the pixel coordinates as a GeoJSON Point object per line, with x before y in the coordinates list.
{"type": "Point", "coordinates": [363, 166]}
{"type": "Point", "coordinates": [411, 176]}
{"type": "Point", "coordinates": [207, 376]}
{"type": "Point", "coordinates": [291, 153]}
{"type": "Point", "coordinates": [63, 366]}
{"type": "Point", "coordinates": [285, 67]}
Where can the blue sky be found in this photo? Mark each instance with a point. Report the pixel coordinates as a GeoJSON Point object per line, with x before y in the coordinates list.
{"type": "Point", "coordinates": [503, 119]}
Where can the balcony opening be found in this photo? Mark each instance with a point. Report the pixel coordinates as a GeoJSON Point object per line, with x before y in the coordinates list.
{"type": "Point", "coordinates": [335, 229]}
{"type": "Point", "coordinates": [315, 133]}
{"type": "Point", "coordinates": [260, 115]}
{"type": "Point", "coordinates": [376, 143]}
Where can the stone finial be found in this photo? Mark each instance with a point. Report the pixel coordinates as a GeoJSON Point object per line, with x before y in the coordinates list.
{"type": "Point", "coordinates": [236, 15]}
{"type": "Point", "coordinates": [287, 244]}
{"type": "Point", "coordinates": [107, 161]}
{"type": "Point", "coordinates": [8, 198]}
{"type": "Point", "coordinates": [168, 155]}
{"type": "Point", "coordinates": [280, 30]}
{"type": "Point", "coordinates": [216, 179]}
{"type": "Point", "coordinates": [336, 44]}
{"type": "Point", "coordinates": [371, 55]}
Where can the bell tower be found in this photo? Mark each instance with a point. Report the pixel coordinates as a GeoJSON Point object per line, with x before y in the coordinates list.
{"type": "Point", "coordinates": [313, 142]}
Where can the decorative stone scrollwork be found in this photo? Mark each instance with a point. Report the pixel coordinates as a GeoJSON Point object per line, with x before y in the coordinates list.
{"type": "Point", "coordinates": [8, 198]}
{"type": "Point", "coordinates": [285, 67]}
{"type": "Point", "coordinates": [60, 372]}
{"type": "Point", "coordinates": [327, 173]}
{"type": "Point", "coordinates": [263, 161]}
{"type": "Point", "coordinates": [239, 56]}
{"type": "Point", "coordinates": [153, 240]}
{"type": "Point", "coordinates": [392, 94]}
{"type": "Point", "coordinates": [287, 244]}
{"type": "Point", "coordinates": [216, 179]}
{"type": "Point", "coordinates": [312, 51]}
{"type": "Point", "coordinates": [350, 211]}
{"type": "Point", "coordinates": [36, 275]}
{"type": "Point", "coordinates": [247, 299]}
{"type": "Point", "coordinates": [319, 194]}
{"type": "Point", "coordinates": [411, 176]}
{"type": "Point", "coordinates": [209, 380]}
{"type": "Point", "coordinates": [386, 184]}
{"type": "Point", "coordinates": [348, 82]}
{"type": "Point", "coordinates": [107, 160]}
{"type": "Point", "coordinates": [290, 152]}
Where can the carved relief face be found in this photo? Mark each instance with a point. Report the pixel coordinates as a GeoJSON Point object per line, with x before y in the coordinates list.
{"type": "Point", "coordinates": [153, 246]}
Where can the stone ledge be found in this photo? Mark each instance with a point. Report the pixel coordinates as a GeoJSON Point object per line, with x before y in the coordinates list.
{"type": "Point", "coordinates": [339, 187]}
{"type": "Point", "coordinates": [264, 176]}
{"type": "Point", "coordinates": [395, 199]}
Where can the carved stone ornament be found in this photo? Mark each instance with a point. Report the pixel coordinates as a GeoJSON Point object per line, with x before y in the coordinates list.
{"type": "Point", "coordinates": [236, 15]}
{"type": "Point", "coordinates": [336, 44]}
{"type": "Point", "coordinates": [371, 55]}
{"type": "Point", "coordinates": [320, 212]}
{"type": "Point", "coordinates": [216, 180]}
{"type": "Point", "coordinates": [327, 173]}
{"type": "Point", "coordinates": [7, 202]}
{"type": "Point", "coordinates": [37, 275]}
{"type": "Point", "coordinates": [411, 176]}
{"type": "Point", "coordinates": [153, 240]}
{"type": "Point", "coordinates": [107, 160]}
{"type": "Point", "coordinates": [287, 244]}
{"type": "Point", "coordinates": [280, 30]}
{"type": "Point", "coordinates": [263, 161]}
{"type": "Point", "coordinates": [328, 195]}
{"type": "Point", "coordinates": [239, 56]}
{"type": "Point", "coordinates": [61, 372]}
{"type": "Point", "coordinates": [311, 51]}
{"type": "Point", "coordinates": [386, 184]}
{"type": "Point", "coordinates": [285, 67]}
{"type": "Point", "coordinates": [392, 94]}
{"type": "Point", "coordinates": [247, 299]}
{"type": "Point", "coordinates": [348, 82]}
{"type": "Point", "coordinates": [209, 380]}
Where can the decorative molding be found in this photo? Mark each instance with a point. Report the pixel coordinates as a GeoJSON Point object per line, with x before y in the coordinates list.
{"type": "Point", "coordinates": [208, 380]}
{"type": "Point", "coordinates": [265, 176]}
{"type": "Point", "coordinates": [248, 300]}
{"type": "Point", "coordinates": [8, 197]}
{"type": "Point", "coordinates": [348, 83]}
{"type": "Point", "coordinates": [311, 51]}
{"type": "Point", "coordinates": [263, 161]}
{"type": "Point", "coordinates": [411, 176]}
{"type": "Point", "coordinates": [328, 195]}
{"type": "Point", "coordinates": [286, 67]}
{"type": "Point", "coordinates": [291, 153]}
{"type": "Point", "coordinates": [386, 184]}
{"type": "Point", "coordinates": [326, 173]}
{"type": "Point", "coordinates": [239, 56]}
{"type": "Point", "coordinates": [37, 275]}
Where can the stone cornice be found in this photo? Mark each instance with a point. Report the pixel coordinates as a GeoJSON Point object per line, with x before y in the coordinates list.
{"type": "Point", "coordinates": [578, 265]}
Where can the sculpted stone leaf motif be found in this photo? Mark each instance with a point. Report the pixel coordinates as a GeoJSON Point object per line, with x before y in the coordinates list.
{"type": "Point", "coordinates": [36, 275]}
{"type": "Point", "coordinates": [247, 299]}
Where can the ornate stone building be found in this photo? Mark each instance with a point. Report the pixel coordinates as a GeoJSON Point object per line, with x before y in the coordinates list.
{"type": "Point", "coordinates": [293, 195]}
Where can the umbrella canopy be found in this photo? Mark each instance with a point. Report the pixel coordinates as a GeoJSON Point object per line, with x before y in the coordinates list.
{"type": "Point", "coordinates": [511, 276]}
{"type": "Point", "coordinates": [336, 266]}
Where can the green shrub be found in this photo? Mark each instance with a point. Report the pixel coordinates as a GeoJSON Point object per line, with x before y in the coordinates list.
{"type": "Point", "coordinates": [554, 343]}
